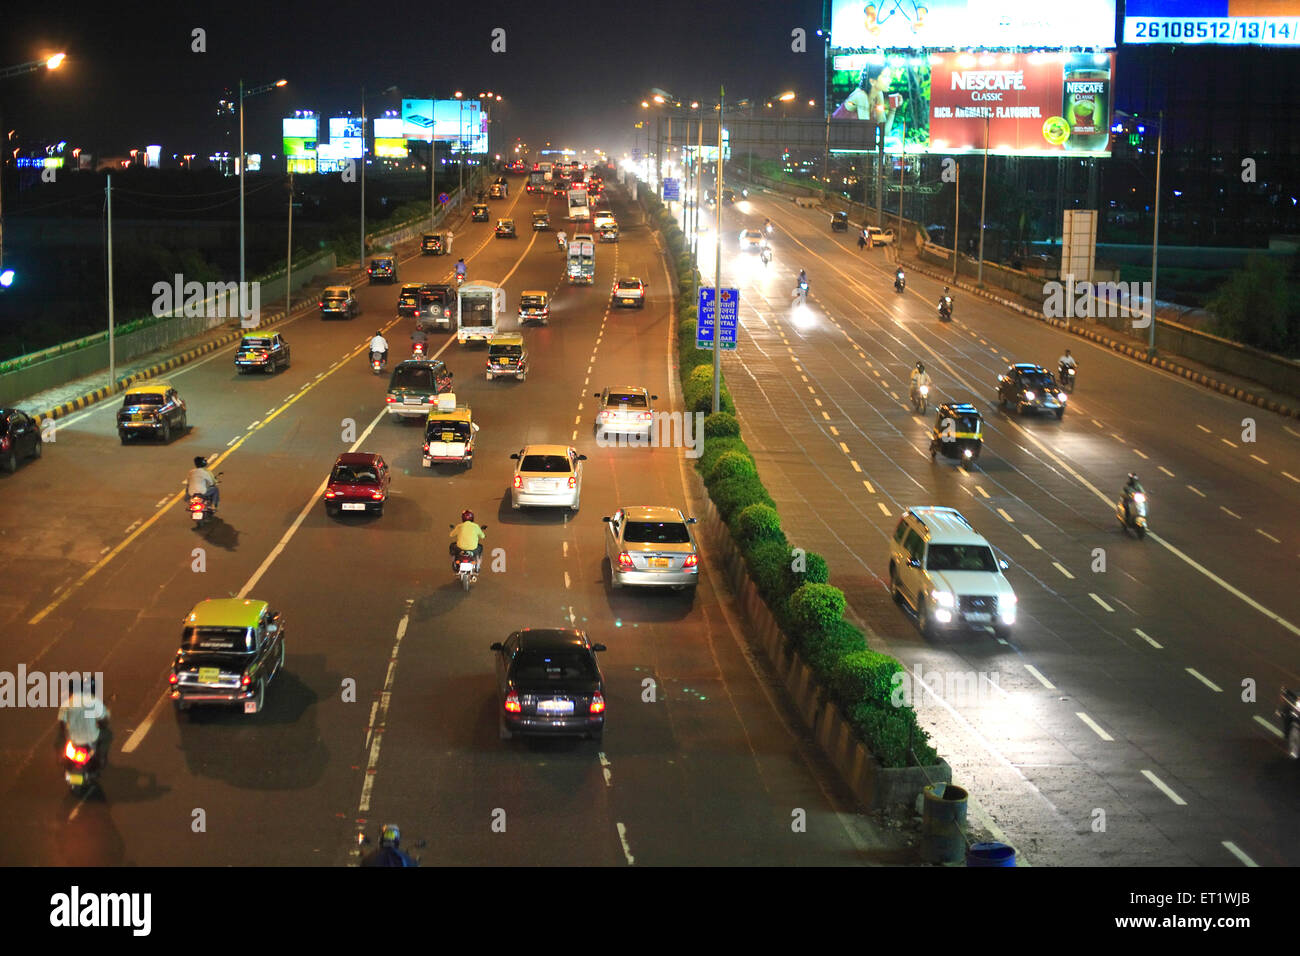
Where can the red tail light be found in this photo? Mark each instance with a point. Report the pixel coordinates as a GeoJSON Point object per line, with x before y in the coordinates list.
{"type": "Point", "coordinates": [4, 443]}
{"type": "Point", "coordinates": [377, 495]}
{"type": "Point", "coordinates": [196, 504]}
{"type": "Point", "coordinates": [691, 561]}
{"type": "Point", "coordinates": [245, 680]}
{"type": "Point", "coordinates": [426, 448]}
{"type": "Point", "coordinates": [519, 482]}
{"type": "Point", "coordinates": [512, 704]}
{"type": "Point", "coordinates": [390, 400]}
{"type": "Point", "coordinates": [644, 416]}
{"type": "Point", "coordinates": [625, 562]}
{"type": "Point", "coordinates": [322, 305]}
{"type": "Point", "coordinates": [597, 703]}
{"type": "Point", "coordinates": [331, 494]}
{"type": "Point", "coordinates": [78, 755]}
{"type": "Point", "coordinates": [573, 481]}
{"type": "Point", "coordinates": [173, 678]}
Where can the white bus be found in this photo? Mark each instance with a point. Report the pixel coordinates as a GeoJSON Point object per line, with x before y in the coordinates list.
{"type": "Point", "coordinates": [579, 208]}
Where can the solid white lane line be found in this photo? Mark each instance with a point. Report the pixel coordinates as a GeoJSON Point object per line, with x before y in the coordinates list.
{"type": "Point", "coordinates": [1060, 567]}
{"type": "Point", "coordinates": [1039, 677]}
{"type": "Point", "coordinates": [1239, 853]}
{"type": "Point", "coordinates": [1146, 637]}
{"type": "Point", "coordinates": [1104, 605]}
{"type": "Point", "coordinates": [1204, 680]}
{"type": "Point", "coordinates": [1094, 726]}
{"type": "Point", "coordinates": [139, 733]}
{"type": "Point", "coordinates": [1164, 788]}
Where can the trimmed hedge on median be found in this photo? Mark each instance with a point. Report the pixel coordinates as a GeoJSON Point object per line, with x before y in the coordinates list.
{"type": "Point", "coordinates": [794, 583]}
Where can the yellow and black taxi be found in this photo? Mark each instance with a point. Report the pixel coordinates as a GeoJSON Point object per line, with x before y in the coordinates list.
{"type": "Point", "coordinates": [497, 191]}
{"type": "Point", "coordinates": [534, 306]}
{"type": "Point", "coordinates": [415, 386]}
{"type": "Point", "coordinates": [408, 300]}
{"type": "Point", "coordinates": [433, 244]}
{"type": "Point", "coordinates": [1027, 387]}
{"type": "Point", "coordinates": [382, 269]}
{"type": "Point", "coordinates": [480, 212]}
{"type": "Point", "coordinates": [268, 352]}
{"type": "Point", "coordinates": [152, 408]}
{"type": "Point", "coordinates": [338, 300]}
{"type": "Point", "coordinates": [359, 482]}
{"type": "Point", "coordinates": [507, 357]}
{"type": "Point", "coordinates": [20, 437]}
{"type": "Point", "coordinates": [230, 650]}
{"type": "Point", "coordinates": [505, 229]}
{"type": "Point", "coordinates": [449, 434]}
{"type": "Point", "coordinates": [958, 433]}
{"type": "Point", "coordinates": [541, 220]}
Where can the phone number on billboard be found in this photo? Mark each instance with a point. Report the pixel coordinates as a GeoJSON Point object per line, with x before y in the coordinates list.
{"type": "Point", "coordinates": [1217, 30]}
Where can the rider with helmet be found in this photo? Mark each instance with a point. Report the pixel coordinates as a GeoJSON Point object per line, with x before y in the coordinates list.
{"type": "Point", "coordinates": [1131, 487]}
{"type": "Point", "coordinates": [83, 720]}
{"type": "Point", "coordinates": [389, 852]}
{"type": "Point", "coordinates": [919, 377]}
{"type": "Point", "coordinates": [460, 269]}
{"type": "Point", "coordinates": [203, 482]}
{"type": "Point", "coordinates": [467, 537]}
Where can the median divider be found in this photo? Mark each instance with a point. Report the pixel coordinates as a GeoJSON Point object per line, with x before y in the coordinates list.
{"type": "Point", "coordinates": [845, 693]}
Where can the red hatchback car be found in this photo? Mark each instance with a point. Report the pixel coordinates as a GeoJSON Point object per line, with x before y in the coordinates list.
{"type": "Point", "coordinates": [358, 482]}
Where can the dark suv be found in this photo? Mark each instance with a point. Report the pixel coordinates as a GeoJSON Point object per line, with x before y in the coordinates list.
{"type": "Point", "coordinates": [437, 303]}
{"type": "Point", "coordinates": [414, 388]}
{"type": "Point", "coordinates": [20, 437]}
{"type": "Point", "coordinates": [1026, 387]}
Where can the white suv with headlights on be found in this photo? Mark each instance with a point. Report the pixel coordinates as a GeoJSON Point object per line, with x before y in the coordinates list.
{"type": "Point", "coordinates": [948, 573]}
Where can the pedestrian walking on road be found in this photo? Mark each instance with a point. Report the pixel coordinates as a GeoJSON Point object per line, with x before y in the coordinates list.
{"type": "Point", "coordinates": [862, 241]}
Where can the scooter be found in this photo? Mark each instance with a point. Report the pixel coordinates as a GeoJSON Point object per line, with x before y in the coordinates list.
{"type": "Point", "coordinates": [80, 767]}
{"type": "Point", "coordinates": [1136, 521]}
{"type": "Point", "coordinates": [200, 508]}
{"type": "Point", "coordinates": [1067, 373]}
{"type": "Point", "coordinates": [900, 282]}
{"type": "Point", "coordinates": [377, 361]}
{"type": "Point", "coordinates": [466, 564]}
{"type": "Point", "coordinates": [460, 279]}
{"type": "Point", "coordinates": [417, 350]}
{"type": "Point", "coordinates": [921, 398]}
{"type": "Point", "coordinates": [945, 309]}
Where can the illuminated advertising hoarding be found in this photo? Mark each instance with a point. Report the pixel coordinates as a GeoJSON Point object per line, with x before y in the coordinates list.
{"type": "Point", "coordinates": [300, 136]}
{"type": "Point", "coordinates": [1031, 104]}
{"type": "Point", "coordinates": [861, 25]}
{"type": "Point", "coordinates": [1229, 22]}
{"type": "Point", "coordinates": [389, 141]}
{"type": "Point", "coordinates": [417, 120]}
{"type": "Point", "coordinates": [330, 158]}
{"type": "Point", "coordinates": [461, 121]}
{"type": "Point", "coordinates": [348, 134]}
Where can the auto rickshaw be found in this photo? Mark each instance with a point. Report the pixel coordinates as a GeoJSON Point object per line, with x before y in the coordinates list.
{"type": "Point", "coordinates": [449, 434]}
{"type": "Point", "coordinates": [957, 433]}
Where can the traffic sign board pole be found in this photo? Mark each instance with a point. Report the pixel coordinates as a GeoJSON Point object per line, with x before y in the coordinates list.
{"type": "Point", "coordinates": [717, 267]}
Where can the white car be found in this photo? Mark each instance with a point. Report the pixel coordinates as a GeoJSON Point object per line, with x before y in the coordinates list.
{"type": "Point", "coordinates": [880, 237]}
{"type": "Point", "coordinates": [630, 291]}
{"type": "Point", "coordinates": [603, 218]}
{"type": "Point", "coordinates": [751, 240]}
{"type": "Point", "coordinates": [948, 573]}
{"type": "Point", "coordinates": [626, 410]}
{"type": "Point", "coordinates": [547, 476]}
{"type": "Point", "coordinates": [653, 547]}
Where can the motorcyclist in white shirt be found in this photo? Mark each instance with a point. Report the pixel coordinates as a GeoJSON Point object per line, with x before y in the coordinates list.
{"type": "Point", "coordinates": [83, 719]}
{"type": "Point", "coordinates": [201, 481]}
{"type": "Point", "coordinates": [379, 346]}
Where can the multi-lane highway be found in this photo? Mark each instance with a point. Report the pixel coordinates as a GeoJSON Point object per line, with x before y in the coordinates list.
{"type": "Point", "coordinates": [1132, 718]}
{"type": "Point", "coordinates": [386, 708]}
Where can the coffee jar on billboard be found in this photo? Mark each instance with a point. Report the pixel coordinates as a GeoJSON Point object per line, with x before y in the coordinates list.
{"type": "Point", "coordinates": [1085, 103]}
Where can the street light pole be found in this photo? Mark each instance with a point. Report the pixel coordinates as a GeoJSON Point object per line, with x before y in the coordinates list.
{"type": "Point", "coordinates": [984, 190]}
{"type": "Point", "coordinates": [112, 363]}
{"type": "Point", "coordinates": [241, 184]}
{"type": "Point", "coordinates": [288, 258]}
{"type": "Point", "coordinates": [956, 219]}
{"type": "Point", "coordinates": [717, 270]}
{"type": "Point", "coordinates": [363, 177]}
{"type": "Point", "coordinates": [1155, 238]}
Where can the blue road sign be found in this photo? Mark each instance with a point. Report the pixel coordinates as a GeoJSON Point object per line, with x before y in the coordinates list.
{"type": "Point", "coordinates": [672, 190]}
{"type": "Point", "coordinates": [730, 310]}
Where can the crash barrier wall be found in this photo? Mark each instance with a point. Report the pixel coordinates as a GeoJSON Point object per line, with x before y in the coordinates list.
{"type": "Point", "coordinates": [842, 689]}
{"type": "Point", "coordinates": [91, 353]}
{"type": "Point", "coordinates": [1273, 371]}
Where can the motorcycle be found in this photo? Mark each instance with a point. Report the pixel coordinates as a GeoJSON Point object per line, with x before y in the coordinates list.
{"type": "Point", "coordinates": [460, 279]}
{"type": "Point", "coordinates": [80, 767]}
{"type": "Point", "coordinates": [765, 256]}
{"type": "Point", "coordinates": [1067, 373]}
{"type": "Point", "coordinates": [900, 282]}
{"type": "Point", "coordinates": [377, 361]}
{"type": "Point", "coordinates": [560, 241]}
{"type": "Point", "coordinates": [1136, 519]}
{"type": "Point", "coordinates": [945, 309]}
{"type": "Point", "coordinates": [921, 398]}
{"type": "Point", "coordinates": [417, 350]}
{"type": "Point", "coordinates": [467, 565]}
{"type": "Point", "coordinates": [200, 508]}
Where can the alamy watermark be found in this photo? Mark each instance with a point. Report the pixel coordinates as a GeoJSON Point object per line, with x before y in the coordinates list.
{"type": "Point", "coordinates": [1097, 300]}
{"type": "Point", "coordinates": [224, 300]}
{"type": "Point", "coordinates": [958, 689]}
{"type": "Point", "coordinates": [44, 688]}
{"type": "Point", "coordinates": [664, 430]}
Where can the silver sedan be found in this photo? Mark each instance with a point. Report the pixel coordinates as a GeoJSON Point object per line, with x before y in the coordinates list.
{"type": "Point", "coordinates": [651, 546]}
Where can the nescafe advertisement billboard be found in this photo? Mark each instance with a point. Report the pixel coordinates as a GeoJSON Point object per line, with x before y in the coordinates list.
{"type": "Point", "coordinates": [1030, 104]}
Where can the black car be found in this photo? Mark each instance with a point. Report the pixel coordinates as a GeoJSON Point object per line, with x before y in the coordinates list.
{"type": "Point", "coordinates": [408, 300]}
{"type": "Point", "coordinates": [549, 684]}
{"type": "Point", "coordinates": [383, 269]}
{"type": "Point", "coordinates": [415, 386]}
{"type": "Point", "coordinates": [268, 352]}
{"type": "Point", "coordinates": [153, 408]}
{"type": "Point", "coordinates": [437, 303]}
{"type": "Point", "coordinates": [1027, 387]}
{"type": "Point", "coordinates": [480, 213]}
{"type": "Point", "coordinates": [20, 437]}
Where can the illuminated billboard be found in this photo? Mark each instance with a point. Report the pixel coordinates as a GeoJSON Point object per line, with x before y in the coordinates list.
{"type": "Point", "coordinates": [417, 120]}
{"type": "Point", "coordinates": [330, 158]}
{"type": "Point", "coordinates": [449, 121]}
{"type": "Point", "coordinates": [1227, 22]}
{"type": "Point", "coordinates": [1030, 104]}
{"type": "Point", "coordinates": [389, 141]}
{"type": "Point", "coordinates": [300, 141]}
{"type": "Point", "coordinates": [861, 25]}
{"type": "Point", "coordinates": [348, 134]}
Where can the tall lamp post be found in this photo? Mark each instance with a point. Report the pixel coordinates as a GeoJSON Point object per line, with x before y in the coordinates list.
{"type": "Point", "coordinates": [1155, 237]}
{"type": "Point", "coordinates": [984, 190]}
{"type": "Point", "coordinates": [49, 63]}
{"type": "Point", "coordinates": [266, 88]}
